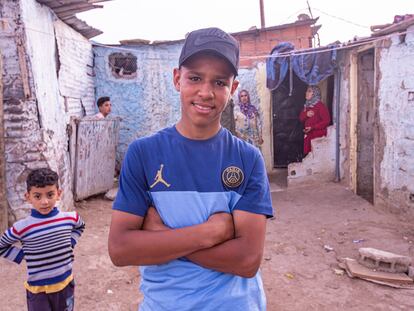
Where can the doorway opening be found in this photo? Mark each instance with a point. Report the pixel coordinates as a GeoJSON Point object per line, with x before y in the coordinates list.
{"type": "Point", "coordinates": [287, 128]}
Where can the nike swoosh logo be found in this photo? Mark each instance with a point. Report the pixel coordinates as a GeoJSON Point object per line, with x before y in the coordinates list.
{"type": "Point", "coordinates": [207, 39]}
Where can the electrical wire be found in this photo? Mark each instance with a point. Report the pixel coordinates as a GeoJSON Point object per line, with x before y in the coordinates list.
{"type": "Point", "coordinates": [293, 52]}
{"type": "Point", "coordinates": [341, 19]}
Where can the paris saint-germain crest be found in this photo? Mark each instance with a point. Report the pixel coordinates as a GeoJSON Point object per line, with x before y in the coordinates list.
{"type": "Point", "coordinates": [232, 176]}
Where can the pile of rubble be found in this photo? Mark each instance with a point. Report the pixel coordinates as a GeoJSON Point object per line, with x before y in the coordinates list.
{"type": "Point", "coordinates": [380, 267]}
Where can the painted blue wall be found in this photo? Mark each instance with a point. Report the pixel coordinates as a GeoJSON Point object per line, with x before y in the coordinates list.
{"type": "Point", "coordinates": [146, 103]}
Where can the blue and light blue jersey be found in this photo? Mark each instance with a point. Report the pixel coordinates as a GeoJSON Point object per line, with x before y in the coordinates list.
{"type": "Point", "coordinates": [188, 181]}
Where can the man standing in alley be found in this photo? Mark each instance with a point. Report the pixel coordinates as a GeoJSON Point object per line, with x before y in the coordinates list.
{"type": "Point", "coordinates": [193, 199]}
{"type": "Point", "coordinates": [104, 106]}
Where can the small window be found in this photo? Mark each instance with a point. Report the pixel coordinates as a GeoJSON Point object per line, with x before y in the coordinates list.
{"type": "Point", "coordinates": [123, 65]}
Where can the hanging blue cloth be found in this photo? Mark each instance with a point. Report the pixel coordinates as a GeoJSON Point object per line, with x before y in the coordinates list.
{"type": "Point", "coordinates": [311, 67]}
{"type": "Point", "coordinates": [315, 66]}
{"type": "Point", "coordinates": [277, 66]}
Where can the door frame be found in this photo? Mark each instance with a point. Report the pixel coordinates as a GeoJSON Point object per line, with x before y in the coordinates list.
{"type": "Point", "coordinates": [353, 116]}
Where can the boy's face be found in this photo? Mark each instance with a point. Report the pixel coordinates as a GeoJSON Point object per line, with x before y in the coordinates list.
{"type": "Point", "coordinates": [43, 199]}
{"type": "Point", "coordinates": [105, 108]}
{"type": "Point", "coordinates": [205, 83]}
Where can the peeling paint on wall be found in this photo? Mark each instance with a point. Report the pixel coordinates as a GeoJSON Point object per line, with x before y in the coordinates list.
{"type": "Point", "coordinates": [35, 116]}
{"type": "Point", "coordinates": [396, 117]}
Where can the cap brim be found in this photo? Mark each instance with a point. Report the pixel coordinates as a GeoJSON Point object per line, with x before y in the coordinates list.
{"type": "Point", "coordinates": [213, 51]}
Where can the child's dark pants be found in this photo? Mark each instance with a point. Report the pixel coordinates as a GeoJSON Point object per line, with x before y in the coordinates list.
{"type": "Point", "coordinates": [59, 301]}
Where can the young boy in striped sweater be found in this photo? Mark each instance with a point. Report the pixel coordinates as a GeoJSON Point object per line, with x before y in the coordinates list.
{"type": "Point", "coordinates": [48, 237]}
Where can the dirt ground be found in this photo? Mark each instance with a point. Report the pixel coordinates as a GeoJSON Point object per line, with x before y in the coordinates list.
{"type": "Point", "coordinates": [298, 273]}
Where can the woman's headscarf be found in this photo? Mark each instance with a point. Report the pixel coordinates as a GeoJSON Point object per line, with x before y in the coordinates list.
{"type": "Point", "coordinates": [316, 97]}
{"type": "Point", "coordinates": [247, 109]}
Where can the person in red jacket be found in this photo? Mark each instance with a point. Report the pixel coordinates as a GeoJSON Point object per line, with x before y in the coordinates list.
{"type": "Point", "coordinates": [314, 116]}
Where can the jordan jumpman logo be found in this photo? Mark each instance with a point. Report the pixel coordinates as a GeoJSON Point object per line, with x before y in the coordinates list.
{"type": "Point", "coordinates": [158, 178]}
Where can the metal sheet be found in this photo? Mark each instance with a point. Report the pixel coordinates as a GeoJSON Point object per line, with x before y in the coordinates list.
{"type": "Point", "coordinates": [95, 156]}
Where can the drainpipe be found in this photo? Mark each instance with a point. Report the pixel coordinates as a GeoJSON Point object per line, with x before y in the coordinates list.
{"type": "Point", "coordinates": [337, 125]}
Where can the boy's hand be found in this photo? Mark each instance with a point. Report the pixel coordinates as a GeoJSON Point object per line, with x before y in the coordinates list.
{"type": "Point", "coordinates": [153, 221]}
{"type": "Point", "coordinates": [222, 227]}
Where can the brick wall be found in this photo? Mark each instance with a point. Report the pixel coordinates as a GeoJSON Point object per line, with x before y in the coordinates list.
{"type": "Point", "coordinates": [256, 44]}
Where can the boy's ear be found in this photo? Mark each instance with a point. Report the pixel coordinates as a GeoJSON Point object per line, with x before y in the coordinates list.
{"type": "Point", "coordinates": [234, 87]}
{"type": "Point", "coordinates": [27, 196]}
{"type": "Point", "coordinates": [59, 193]}
{"type": "Point", "coordinates": [176, 78]}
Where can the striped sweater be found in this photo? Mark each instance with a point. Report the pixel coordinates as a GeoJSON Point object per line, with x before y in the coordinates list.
{"type": "Point", "coordinates": [47, 245]}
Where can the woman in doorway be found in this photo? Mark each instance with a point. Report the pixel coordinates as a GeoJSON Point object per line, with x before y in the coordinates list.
{"type": "Point", "coordinates": [314, 116]}
{"type": "Point", "coordinates": [248, 120]}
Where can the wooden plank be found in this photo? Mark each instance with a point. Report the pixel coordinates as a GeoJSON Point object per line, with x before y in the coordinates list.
{"type": "Point", "coordinates": [66, 14]}
{"type": "Point", "coordinates": [4, 207]}
{"type": "Point", "coordinates": [91, 33]}
{"type": "Point", "coordinates": [72, 7]}
{"type": "Point", "coordinates": [360, 271]}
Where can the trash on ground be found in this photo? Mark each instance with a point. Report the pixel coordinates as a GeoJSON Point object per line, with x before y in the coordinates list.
{"type": "Point", "coordinates": [328, 248]}
{"type": "Point", "coordinates": [289, 276]}
{"type": "Point", "coordinates": [358, 241]}
{"type": "Point", "coordinates": [339, 271]}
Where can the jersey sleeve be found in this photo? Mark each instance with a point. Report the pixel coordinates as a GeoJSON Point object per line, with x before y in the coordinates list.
{"type": "Point", "coordinates": [132, 196]}
{"type": "Point", "coordinates": [256, 196]}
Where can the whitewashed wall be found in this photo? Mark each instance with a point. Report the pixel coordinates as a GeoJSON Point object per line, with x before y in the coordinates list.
{"type": "Point", "coordinates": [36, 123]}
{"type": "Point", "coordinates": [76, 84]}
{"type": "Point", "coordinates": [396, 117]}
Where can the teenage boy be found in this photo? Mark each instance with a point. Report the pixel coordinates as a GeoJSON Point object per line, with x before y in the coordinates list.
{"type": "Point", "coordinates": [104, 107]}
{"type": "Point", "coordinates": [47, 237]}
{"type": "Point", "coordinates": [200, 248]}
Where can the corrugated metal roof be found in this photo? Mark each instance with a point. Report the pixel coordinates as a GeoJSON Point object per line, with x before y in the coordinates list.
{"type": "Point", "coordinates": [66, 10]}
